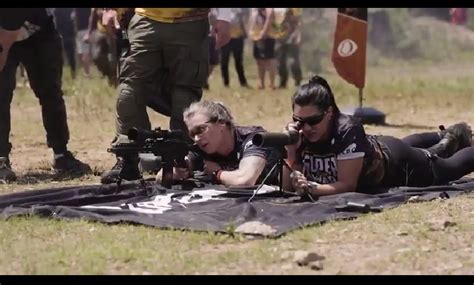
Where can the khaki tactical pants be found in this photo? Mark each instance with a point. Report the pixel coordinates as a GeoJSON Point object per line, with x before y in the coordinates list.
{"type": "Point", "coordinates": [165, 68]}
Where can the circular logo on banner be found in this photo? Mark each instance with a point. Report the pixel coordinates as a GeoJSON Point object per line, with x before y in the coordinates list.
{"type": "Point", "coordinates": [346, 48]}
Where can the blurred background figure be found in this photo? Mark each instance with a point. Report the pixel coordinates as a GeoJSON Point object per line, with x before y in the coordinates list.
{"type": "Point", "coordinates": [458, 16]}
{"type": "Point", "coordinates": [238, 35]}
{"type": "Point", "coordinates": [116, 23]}
{"type": "Point", "coordinates": [102, 45]}
{"type": "Point", "coordinates": [262, 28]}
{"type": "Point", "coordinates": [65, 26]}
{"type": "Point", "coordinates": [213, 52]}
{"type": "Point", "coordinates": [81, 21]}
{"type": "Point", "coordinates": [288, 23]}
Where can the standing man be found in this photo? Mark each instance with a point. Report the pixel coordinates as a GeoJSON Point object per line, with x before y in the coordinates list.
{"type": "Point", "coordinates": [169, 61]}
{"type": "Point", "coordinates": [29, 36]}
{"type": "Point", "coordinates": [235, 46]}
{"type": "Point", "coordinates": [65, 26]}
{"type": "Point", "coordinates": [458, 16]}
{"type": "Point", "coordinates": [102, 45]}
{"type": "Point", "coordinates": [214, 53]}
{"type": "Point", "coordinates": [288, 44]}
{"type": "Point", "coordinates": [81, 18]}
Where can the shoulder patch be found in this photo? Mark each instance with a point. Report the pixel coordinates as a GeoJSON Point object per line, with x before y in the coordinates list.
{"type": "Point", "coordinates": [350, 149]}
{"type": "Point", "coordinates": [248, 144]}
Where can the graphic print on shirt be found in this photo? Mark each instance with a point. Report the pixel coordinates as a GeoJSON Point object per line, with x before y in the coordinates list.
{"type": "Point", "coordinates": [320, 168]}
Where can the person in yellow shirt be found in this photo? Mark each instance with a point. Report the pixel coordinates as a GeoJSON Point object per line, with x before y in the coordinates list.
{"type": "Point", "coordinates": [168, 62]}
{"type": "Point", "coordinates": [288, 44]}
{"type": "Point", "coordinates": [262, 32]}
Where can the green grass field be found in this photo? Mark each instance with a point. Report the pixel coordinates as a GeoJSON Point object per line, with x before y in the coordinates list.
{"type": "Point", "coordinates": [421, 238]}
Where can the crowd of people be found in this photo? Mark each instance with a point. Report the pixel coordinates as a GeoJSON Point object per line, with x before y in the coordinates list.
{"type": "Point", "coordinates": [162, 58]}
{"type": "Point", "coordinates": [91, 41]}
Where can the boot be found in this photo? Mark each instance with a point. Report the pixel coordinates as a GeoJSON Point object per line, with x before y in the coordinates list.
{"type": "Point", "coordinates": [453, 139]}
{"type": "Point", "coordinates": [127, 169]}
{"type": "Point", "coordinates": [67, 163]}
{"type": "Point", "coordinates": [6, 172]}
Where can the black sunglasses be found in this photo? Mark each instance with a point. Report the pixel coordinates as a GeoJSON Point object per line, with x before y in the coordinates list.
{"type": "Point", "coordinates": [312, 120]}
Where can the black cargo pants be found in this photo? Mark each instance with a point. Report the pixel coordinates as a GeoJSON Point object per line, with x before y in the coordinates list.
{"type": "Point", "coordinates": [42, 57]}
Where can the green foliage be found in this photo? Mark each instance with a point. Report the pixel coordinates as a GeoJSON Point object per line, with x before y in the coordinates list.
{"type": "Point", "coordinates": [393, 34]}
{"type": "Point", "coordinates": [470, 19]}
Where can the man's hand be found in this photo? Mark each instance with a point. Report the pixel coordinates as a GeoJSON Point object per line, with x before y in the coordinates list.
{"type": "Point", "coordinates": [7, 38]}
{"type": "Point", "coordinates": [222, 32]}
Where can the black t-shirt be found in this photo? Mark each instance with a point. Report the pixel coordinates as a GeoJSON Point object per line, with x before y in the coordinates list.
{"type": "Point", "coordinates": [34, 20]}
{"type": "Point", "coordinates": [82, 18]}
{"type": "Point", "coordinates": [243, 147]}
{"type": "Point", "coordinates": [64, 22]}
{"type": "Point", "coordinates": [347, 141]}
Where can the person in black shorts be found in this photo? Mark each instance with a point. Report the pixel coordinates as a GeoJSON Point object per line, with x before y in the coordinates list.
{"type": "Point", "coordinates": [264, 49]}
{"type": "Point", "coordinates": [262, 34]}
{"type": "Point", "coordinates": [225, 151]}
{"type": "Point", "coordinates": [334, 155]}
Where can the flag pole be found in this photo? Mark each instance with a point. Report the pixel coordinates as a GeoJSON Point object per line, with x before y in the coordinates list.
{"type": "Point", "coordinates": [349, 58]}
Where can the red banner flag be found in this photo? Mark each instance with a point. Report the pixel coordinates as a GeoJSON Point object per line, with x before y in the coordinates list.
{"type": "Point", "coordinates": [350, 45]}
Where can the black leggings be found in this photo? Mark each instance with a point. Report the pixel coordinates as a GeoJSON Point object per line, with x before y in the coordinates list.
{"type": "Point", "coordinates": [410, 165]}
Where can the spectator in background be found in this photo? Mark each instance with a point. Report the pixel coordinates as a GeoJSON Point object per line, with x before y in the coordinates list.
{"type": "Point", "coordinates": [65, 26]}
{"type": "Point", "coordinates": [238, 34]}
{"type": "Point", "coordinates": [29, 36]}
{"type": "Point", "coordinates": [116, 24]}
{"type": "Point", "coordinates": [102, 46]}
{"type": "Point", "coordinates": [458, 16]}
{"type": "Point", "coordinates": [288, 21]}
{"type": "Point", "coordinates": [81, 20]}
{"type": "Point", "coordinates": [213, 51]}
{"type": "Point", "coordinates": [262, 28]}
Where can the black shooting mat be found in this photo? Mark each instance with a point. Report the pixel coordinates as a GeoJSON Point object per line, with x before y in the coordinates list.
{"type": "Point", "coordinates": [206, 207]}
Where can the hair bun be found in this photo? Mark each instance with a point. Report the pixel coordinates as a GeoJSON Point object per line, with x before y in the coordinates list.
{"type": "Point", "coordinates": [316, 79]}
